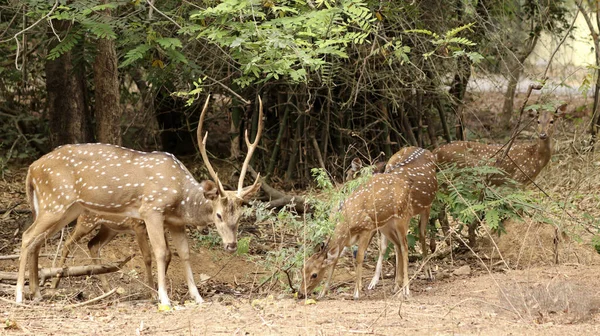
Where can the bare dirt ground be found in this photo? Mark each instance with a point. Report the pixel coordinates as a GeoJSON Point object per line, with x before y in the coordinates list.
{"type": "Point", "coordinates": [512, 284]}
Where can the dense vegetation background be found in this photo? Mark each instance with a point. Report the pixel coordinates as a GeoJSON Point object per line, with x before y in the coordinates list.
{"type": "Point", "coordinates": [338, 79]}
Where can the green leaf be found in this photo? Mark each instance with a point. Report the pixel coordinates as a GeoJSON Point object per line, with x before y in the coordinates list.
{"type": "Point", "coordinates": [135, 54]}
{"type": "Point", "coordinates": [169, 42]}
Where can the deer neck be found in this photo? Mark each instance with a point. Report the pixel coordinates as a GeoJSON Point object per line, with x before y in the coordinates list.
{"type": "Point", "coordinates": [544, 151]}
{"type": "Point", "coordinates": [194, 208]}
{"type": "Point", "coordinates": [341, 238]}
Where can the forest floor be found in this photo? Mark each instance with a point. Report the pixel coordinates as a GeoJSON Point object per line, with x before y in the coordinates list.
{"type": "Point", "coordinates": [509, 285]}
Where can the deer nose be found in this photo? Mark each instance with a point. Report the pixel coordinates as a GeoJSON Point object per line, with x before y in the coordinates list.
{"type": "Point", "coordinates": [301, 295]}
{"type": "Point", "coordinates": [543, 136]}
{"type": "Point", "coordinates": [231, 247]}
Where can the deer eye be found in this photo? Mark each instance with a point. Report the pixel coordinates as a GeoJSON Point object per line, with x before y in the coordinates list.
{"type": "Point", "coordinates": [313, 276]}
{"type": "Point", "coordinates": [551, 122]}
{"type": "Point", "coordinates": [219, 216]}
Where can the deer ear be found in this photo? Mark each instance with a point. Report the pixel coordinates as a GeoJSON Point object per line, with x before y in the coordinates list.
{"type": "Point", "coordinates": [356, 164]}
{"type": "Point", "coordinates": [560, 111]}
{"type": "Point", "coordinates": [332, 255]}
{"type": "Point", "coordinates": [249, 191]}
{"type": "Point", "coordinates": [211, 192]}
{"type": "Point", "coordinates": [320, 247]}
{"type": "Point", "coordinates": [532, 113]}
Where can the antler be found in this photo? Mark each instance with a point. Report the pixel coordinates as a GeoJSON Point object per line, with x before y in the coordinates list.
{"type": "Point", "coordinates": [202, 148]}
{"type": "Point", "coordinates": [251, 148]}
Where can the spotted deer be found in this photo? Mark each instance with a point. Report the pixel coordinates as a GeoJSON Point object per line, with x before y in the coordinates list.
{"type": "Point", "coordinates": [356, 165]}
{"type": "Point", "coordinates": [383, 203]}
{"type": "Point", "coordinates": [523, 163]}
{"type": "Point", "coordinates": [154, 187]}
{"type": "Point", "coordinates": [418, 165]}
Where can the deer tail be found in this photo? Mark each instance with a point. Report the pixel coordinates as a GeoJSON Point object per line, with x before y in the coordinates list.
{"type": "Point", "coordinates": [31, 196]}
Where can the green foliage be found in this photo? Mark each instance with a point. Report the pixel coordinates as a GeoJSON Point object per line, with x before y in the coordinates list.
{"type": "Point", "coordinates": [209, 240]}
{"type": "Point", "coordinates": [68, 42]}
{"type": "Point", "coordinates": [135, 54]}
{"type": "Point", "coordinates": [467, 198]}
{"type": "Point", "coordinates": [596, 243]}
{"type": "Point", "coordinates": [284, 41]}
{"type": "Point", "coordinates": [243, 246]}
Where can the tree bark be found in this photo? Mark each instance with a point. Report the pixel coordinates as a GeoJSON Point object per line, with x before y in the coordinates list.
{"type": "Point", "coordinates": [515, 69]}
{"type": "Point", "coordinates": [65, 86]}
{"type": "Point", "coordinates": [106, 81]}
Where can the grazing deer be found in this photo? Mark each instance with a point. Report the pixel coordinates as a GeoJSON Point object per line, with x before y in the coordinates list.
{"type": "Point", "coordinates": [356, 165]}
{"type": "Point", "coordinates": [523, 163]}
{"type": "Point", "coordinates": [153, 187]}
{"type": "Point", "coordinates": [383, 203]}
{"type": "Point", "coordinates": [418, 165]}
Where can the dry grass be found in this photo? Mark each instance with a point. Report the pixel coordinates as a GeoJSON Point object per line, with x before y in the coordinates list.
{"type": "Point", "coordinates": [559, 300]}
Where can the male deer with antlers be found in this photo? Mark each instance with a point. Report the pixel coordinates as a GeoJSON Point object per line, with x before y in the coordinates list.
{"type": "Point", "coordinates": [385, 203]}
{"type": "Point", "coordinates": [523, 163]}
{"type": "Point", "coordinates": [154, 187]}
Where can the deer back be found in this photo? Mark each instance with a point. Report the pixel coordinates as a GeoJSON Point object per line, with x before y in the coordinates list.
{"type": "Point", "coordinates": [379, 199]}
{"type": "Point", "coordinates": [417, 166]}
{"type": "Point", "coordinates": [114, 180]}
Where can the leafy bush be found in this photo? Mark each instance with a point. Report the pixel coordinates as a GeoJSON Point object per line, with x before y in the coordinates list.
{"type": "Point", "coordinates": [467, 197]}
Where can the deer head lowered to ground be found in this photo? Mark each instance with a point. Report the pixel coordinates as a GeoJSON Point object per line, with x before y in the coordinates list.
{"type": "Point", "coordinates": [383, 203]}
{"type": "Point", "coordinates": [154, 187]}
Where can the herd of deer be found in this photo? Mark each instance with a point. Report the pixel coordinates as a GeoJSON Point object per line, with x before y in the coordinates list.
{"type": "Point", "coordinates": [123, 190]}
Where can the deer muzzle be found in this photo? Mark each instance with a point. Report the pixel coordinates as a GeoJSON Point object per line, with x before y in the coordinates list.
{"type": "Point", "coordinates": [230, 247]}
{"type": "Point", "coordinates": [543, 136]}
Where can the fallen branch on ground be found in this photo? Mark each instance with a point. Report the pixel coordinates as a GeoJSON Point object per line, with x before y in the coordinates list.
{"type": "Point", "coordinates": [105, 295]}
{"type": "Point", "coordinates": [16, 256]}
{"type": "Point", "coordinates": [48, 273]}
{"type": "Point", "coordinates": [278, 198]}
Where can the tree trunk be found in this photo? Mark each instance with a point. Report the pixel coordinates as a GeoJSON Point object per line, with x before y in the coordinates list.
{"type": "Point", "coordinates": [515, 69]}
{"type": "Point", "coordinates": [106, 81]}
{"type": "Point", "coordinates": [65, 86]}
{"type": "Point", "coordinates": [514, 72]}
{"type": "Point", "coordinates": [457, 91]}
{"type": "Point", "coordinates": [150, 133]}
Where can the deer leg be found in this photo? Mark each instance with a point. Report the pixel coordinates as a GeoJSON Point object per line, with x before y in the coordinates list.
{"type": "Point", "coordinates": [34, 281]}
{"type": "Point", "coordinates": [154, 225]}
{"type": "Point", "coordinates": [81, 229]}
{"type": "Point", "coordinates": [382, 248]}
{"type": "Point", "coordinates": [45, 225]}
{"type": "Point", "coordinates": [329, 277]}
{"type": "Point", "coordinates": [168, 256]}
{"type": "Point", "coordinates": [141, 236]}
{"type": "Point", "coordinates": [363, 243]}
{"type": "Point", "coordinates": [103, 237]}
{"type": "Point", "coordinates": [423, 221]}
{"type": "Point", "coordinates": [181, 244]}
{"type": "Point", "coordinates": [391, 234]}
{"type": "Point", "coordinates": [402, 230]}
